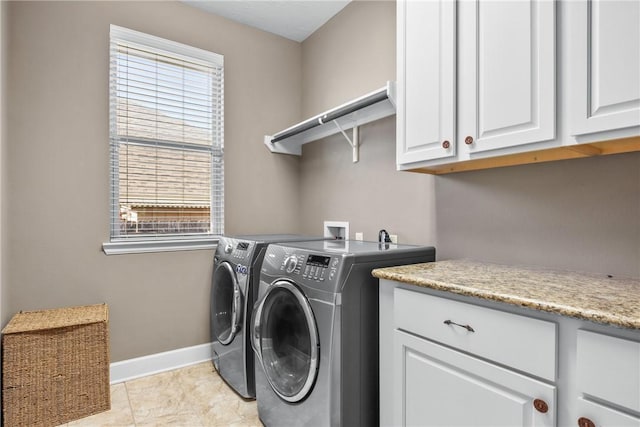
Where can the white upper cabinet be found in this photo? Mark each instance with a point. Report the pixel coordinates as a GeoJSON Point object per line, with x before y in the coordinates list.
{"type": "Point", "coordinates": [504, 93]}
{"type": "Point", "coordinates": [491, 83]}
{"type": "Point", "coordinates": [426, 80]}
{"type": "Point", "coordinates": [605, 65]}
{"type": "Point", "coordinates": [506, 73]}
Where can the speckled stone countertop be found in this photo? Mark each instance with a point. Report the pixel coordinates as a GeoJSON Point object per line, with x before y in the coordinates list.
{"type": "Point", "coordinates": [598, 298]}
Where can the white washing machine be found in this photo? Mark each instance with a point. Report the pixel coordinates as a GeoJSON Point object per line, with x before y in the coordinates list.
{"type": "Point", "coordinates": [236, 271]}
{"type": "Point", "coordinates": [315, 331]}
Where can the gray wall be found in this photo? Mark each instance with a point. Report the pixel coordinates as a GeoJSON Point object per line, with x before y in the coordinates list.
{"type": "Point", "coordinates": [354, 53]}
{"type": "Point", "coordinates": [576, 214]}
{"type": "Point", "coordinates": [56, 197]}
{"type": "Point", "coordinates": [581, 214]}
{"type": "Point", "coordinates": [3, 130]}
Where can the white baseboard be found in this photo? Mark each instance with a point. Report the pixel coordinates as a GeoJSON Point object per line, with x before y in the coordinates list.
{"type": "Point", "coordinates": [126, 370]}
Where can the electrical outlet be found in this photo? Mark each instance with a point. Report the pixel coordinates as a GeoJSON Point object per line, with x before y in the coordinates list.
{"type": "Point", "coordinates": [359, 235]}
{"type": "Point", "coordinates": [394, 238]}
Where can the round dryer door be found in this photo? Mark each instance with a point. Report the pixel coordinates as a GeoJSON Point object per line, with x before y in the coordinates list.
{"type": "Point", "coordinates": [226, 304]}
{"type": "Point", "coordinates": [286, 340]}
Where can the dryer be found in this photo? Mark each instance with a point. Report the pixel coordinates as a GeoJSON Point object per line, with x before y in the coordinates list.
{"type": "Point", "coordinates": [315, 331]}
{"type": "Point", "coordinates": [236, 271]}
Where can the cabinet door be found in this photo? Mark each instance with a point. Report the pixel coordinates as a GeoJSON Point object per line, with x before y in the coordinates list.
{"type": "Point", "coordinates": [619, 382]}
{"type": "Point", "coordinates": [507, 73]}
{"type": "Point", "coordinates": [605, 65]}
{"type": "Point", "coordinates": [426, 80]}
{"type": "Point", "coordinates": [601, 416]}
{"type": "Point", "coordinates": [437, 386]}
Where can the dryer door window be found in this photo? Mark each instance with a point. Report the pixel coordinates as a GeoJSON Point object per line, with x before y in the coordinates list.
{"type": "Point", "coordinates": [286, 341]}
{"type": "Point", "coordinates": [226, 304]}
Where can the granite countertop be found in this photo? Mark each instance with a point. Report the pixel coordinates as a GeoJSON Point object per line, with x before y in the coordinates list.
{"type": "Point", "coordinates": [598, 298]}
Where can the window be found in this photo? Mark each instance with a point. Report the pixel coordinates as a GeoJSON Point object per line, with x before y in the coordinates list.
{"type": "Point", "coordinates": [166, 139]}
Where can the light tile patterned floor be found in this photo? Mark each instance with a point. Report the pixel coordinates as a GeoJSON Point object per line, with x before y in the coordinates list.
{"type": "Point", "coordinates": [194, 396]}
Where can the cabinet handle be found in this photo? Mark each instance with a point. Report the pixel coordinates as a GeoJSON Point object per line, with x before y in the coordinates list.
{"type": "Point", "coordinates": [585, 422]}
{"type": "Point", "coordinates": [541, 406]}
{"type": "Point", "coordinates": [468, 140]}
{"type": "Point", "coordinates": [467, 327]}
{"type": "Point", "coordinates": [446, 144]}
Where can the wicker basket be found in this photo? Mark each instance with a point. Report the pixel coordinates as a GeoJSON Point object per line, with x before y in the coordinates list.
{"type": "Point", "coordinates": [55, 366]}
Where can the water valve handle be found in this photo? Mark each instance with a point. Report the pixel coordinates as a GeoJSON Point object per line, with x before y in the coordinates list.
{"type": "Point", "coordinates": [383, 236]}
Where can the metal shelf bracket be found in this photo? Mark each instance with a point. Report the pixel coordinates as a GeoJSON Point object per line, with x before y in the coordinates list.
{"type": "Point", "coordinates": [354, 142]}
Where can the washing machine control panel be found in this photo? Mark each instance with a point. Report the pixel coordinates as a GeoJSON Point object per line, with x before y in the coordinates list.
{"type": "Point", "coordinates": [320, 268]}
{"type": "Point", "coordinates": [239, 249]}
{"type": "Point", "coordinates": [312, 267]}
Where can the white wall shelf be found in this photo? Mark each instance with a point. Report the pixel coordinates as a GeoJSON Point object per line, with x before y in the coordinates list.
{"type": "Point", "coordinates": [368, 108]}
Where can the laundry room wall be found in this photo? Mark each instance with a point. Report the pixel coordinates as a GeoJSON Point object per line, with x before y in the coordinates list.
{"type": "Point", "coordinates": [577, 214]}
{"type": "Point", "coordinates": [56, 195]}
{"type": "Point", "coordinates": [353, 54]}
{"type": "Point", "coordinates": [581, 214]}
{"type": "Point", "coordinates": [3, 131]}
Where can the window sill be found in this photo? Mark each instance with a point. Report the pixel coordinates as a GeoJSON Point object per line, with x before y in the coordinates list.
{"type": "Point", "coordinates": [167, 245]}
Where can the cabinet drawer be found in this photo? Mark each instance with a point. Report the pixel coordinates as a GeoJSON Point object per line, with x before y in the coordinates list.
{"type": "Point", "coordinates": [517, 341]}
{"type": "Point", "coordinates": [601, 416]}
{"type": "Point", "coordinates": [609, 368]}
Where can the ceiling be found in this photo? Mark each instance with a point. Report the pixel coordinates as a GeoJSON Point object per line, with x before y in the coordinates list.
{"type": "Point", "coordinates": [293, 19]}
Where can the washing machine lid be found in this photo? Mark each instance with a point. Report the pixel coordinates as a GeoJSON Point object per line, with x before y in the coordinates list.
{"type": "Point", "coordinates": [286, 341]}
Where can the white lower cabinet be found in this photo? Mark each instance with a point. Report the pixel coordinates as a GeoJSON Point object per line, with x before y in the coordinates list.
{"type": "Point", "coordinates": [450, 357]}
{"type": "Point", "coordinates": [608, 379]}
{"type": "Point", "coordinates": [591, 414]}
{"type": "Point", "coordinates": [448, 360]}
{"type": "Point", "coordinates": [443, 387]}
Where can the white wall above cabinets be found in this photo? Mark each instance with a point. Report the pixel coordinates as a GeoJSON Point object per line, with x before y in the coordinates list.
{"type": "Point", "coordinates": [493, 83]}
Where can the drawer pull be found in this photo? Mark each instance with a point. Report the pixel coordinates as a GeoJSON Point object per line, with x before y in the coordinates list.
{"type": "Point", "coordinates": [585, 422]}
{"type": "Point", "coordinates": [467, 327]}
{"type": "Point", "coordinates": [541, 406]}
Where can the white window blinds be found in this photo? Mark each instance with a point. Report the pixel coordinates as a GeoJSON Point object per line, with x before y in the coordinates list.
{"type": "Point", "coordinates": [166, 136]}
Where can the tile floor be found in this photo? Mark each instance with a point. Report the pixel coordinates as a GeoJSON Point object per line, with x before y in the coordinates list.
{"type": "Point", "coordinates": [194, 396]}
